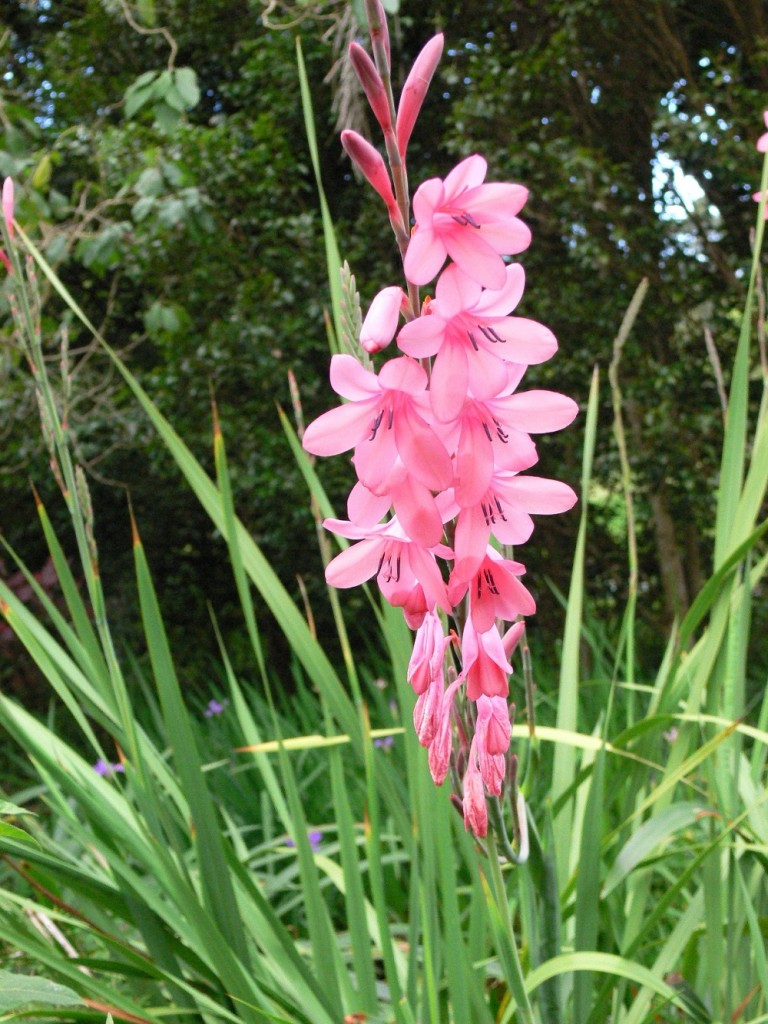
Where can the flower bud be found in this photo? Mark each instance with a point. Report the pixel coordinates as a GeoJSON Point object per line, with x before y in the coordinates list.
{"type": "Point", "coordinates": [379, 29]}
{"type": "Point", "coordinates": [370, 79]}
{"type": "Point", "coordinates": [475, 810]}
{"type": "Point", "coordinates": [381, 319]}
{"type": "Point", "coordinates": [415, 89]}
{"type": "Point", "coordinates": [371, 163]}
{"type": "Point", "coordinates": [8, 204]}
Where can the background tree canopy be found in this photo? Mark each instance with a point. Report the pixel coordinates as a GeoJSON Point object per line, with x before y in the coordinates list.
{"type": "Point", "coordinates": [161, 161]}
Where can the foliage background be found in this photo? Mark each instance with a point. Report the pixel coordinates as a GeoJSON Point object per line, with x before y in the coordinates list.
{"type": "Point", "coordinates": [187, 222]}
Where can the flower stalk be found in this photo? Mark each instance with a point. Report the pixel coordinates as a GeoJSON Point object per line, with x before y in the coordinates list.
{"type": "Point", "coordinates": [442, 438]}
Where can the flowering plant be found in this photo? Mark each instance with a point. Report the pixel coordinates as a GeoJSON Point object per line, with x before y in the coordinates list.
{"type": "Point", "coordinates": [442, 436]}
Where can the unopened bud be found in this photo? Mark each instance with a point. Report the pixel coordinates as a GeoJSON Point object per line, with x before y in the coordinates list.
{"type": "Point", "coordinates": [415, 89]}
{"type": "Point", "coordinates": [8, 204]}
{"type": "Point", "coordinates": [381, 319]}
{"type": "Point", "coordinates": [377, 25]}
{"type": "Point", "coordinates": [370, 79]}
{"type": "Point", "coordinates": [371, 163]}
{"type": "Point", "coordinates": [512, 637]}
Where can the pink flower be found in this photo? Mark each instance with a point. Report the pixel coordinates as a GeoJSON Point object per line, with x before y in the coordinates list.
{"type": "Point", "coordinates": [468, 329]}
{"type": "Point", "coordinates": [493, 733]}
{"type": "Point", "coordinates": [415, 89]}
{"type": "Point", "coordinates": [495, 434]}
{"type": "Point", "coordinates": [427, 710]}
{"type": "Point", "coordinates": [381, 319]}
{"type": "Point", "coordinates": [762, 142]}
{"type": "Point", "coordinates": [486, 668]}
{"type": "Point", "coordinates": [504, 511]}
{"type": "Point", "coordinates": [398, 563]}
{"type": "Point", "coordinates": [494, 590]}
{"type": "Point", "coordinates": [475, 810]}
{"type": "Point", "coordinates": [426, 664]}
{"type": "Point", "coordinates": [397, 452]}
{"type": "Point", "coordinates": [8, 204]}
{"type": "Point", "coordinates": [469, 221]}
{"type": "Point", "coordinates": [441, 745]}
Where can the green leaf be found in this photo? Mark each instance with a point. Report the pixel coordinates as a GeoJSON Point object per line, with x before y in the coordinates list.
{"type": "Point", "coordinates": [8, 808]}
{"type": "Point", "coordinates": [142, 208]}
{"type": "Point", "coordinates": [141, 92]}
{"type": "Point", "coordinates": [647, 838]}
{"type": "Point", "coordinates": [21, 990]}
{"type": "Point", "coordinates": [149, 182]}
{"type": "Point", "coordinates": [166, 117]}
{"type": "Point", "coordinates": [185, 81]}
{"type": "Point", "coordinates": [16, 833]}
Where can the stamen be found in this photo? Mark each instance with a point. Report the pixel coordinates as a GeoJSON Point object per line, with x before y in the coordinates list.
{"type": "Point", "coordinates": [490, 581]}
{"type": "Point", "coordinates": [465, 219]}
{"type": "Point", "coordinates": [492, 335]}
{"type": "Point", "coordinates": [500, 433]}
{"type": "Point", "coordinates": [376, 425]}
{"type": "Point", "coordinates": [390, 418]}
{"type": "Point", "coordinates": [501, 510]}
{"type": "Point", "coordinates": [487, 431]}
{"type": "Point", "coordinates": [472, 339]}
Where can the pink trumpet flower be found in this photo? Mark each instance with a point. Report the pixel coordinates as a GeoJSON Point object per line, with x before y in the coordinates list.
{"type": "Point", "coordinates": [426, 664]}
{"type": "Point", "coordinates": [415, 89]}
{"type": "Point", "coordinates": [473, 223]}
{"type": "Point", "coordinates": [382, 420]}
{"type": "Point", "coordinates": [486, 668]}
{"type": "Point", "coordinates": [469, 331]}
{"type": "Point", "coordinates": [494, 591]}
{"type": "Point", "coordinates": [493, 735]}
{"type": "Point", "coordinates": [398, 563]}
{"type": "Point", "coordinates": [495, 434]}
{"type": "Point", "coordinates": [504, 511]}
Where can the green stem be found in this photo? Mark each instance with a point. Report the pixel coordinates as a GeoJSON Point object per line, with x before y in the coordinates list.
{"type": "Point", "coordinates": [514, 972]}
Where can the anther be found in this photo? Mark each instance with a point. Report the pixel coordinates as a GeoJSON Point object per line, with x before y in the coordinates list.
{"type": "Point", "coordinates": [376, 425]}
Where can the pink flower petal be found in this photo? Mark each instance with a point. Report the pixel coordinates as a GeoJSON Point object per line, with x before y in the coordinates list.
{"type": "Point", "coordinates": [479, 260]}
{"type": "Point", "coordinates": [424, 256]}
{"type": "Point", "coordinates": [356, 564]}
{"type": "Point", "coordinates": [351, 380]}
{"type": "Point", "coordinates": [468, 174]}
{"type": "Point", "coordinates": [450, 380]}
{"type": "Point", "coordinates": [338, 429]}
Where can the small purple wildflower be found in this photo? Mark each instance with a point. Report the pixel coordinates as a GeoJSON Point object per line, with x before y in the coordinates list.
{"type": "Point", "coordinates": [384, 741]}
{"type": "Point", "coordinates": [107, 770]}
{"type": "Point", "coordinates": [215, 707]}
{"type": "Point", "coordinates": [315, 837]}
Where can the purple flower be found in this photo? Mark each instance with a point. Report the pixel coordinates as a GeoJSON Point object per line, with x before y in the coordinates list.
{"type": "Point", "coordinates": [384, 741]}
{"type": "Point", "coordinates": [215, 707]}
{"type": "Point", "coordinates": [107, 770]}
{"type": "Point", "coordinates": [315, 837]}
